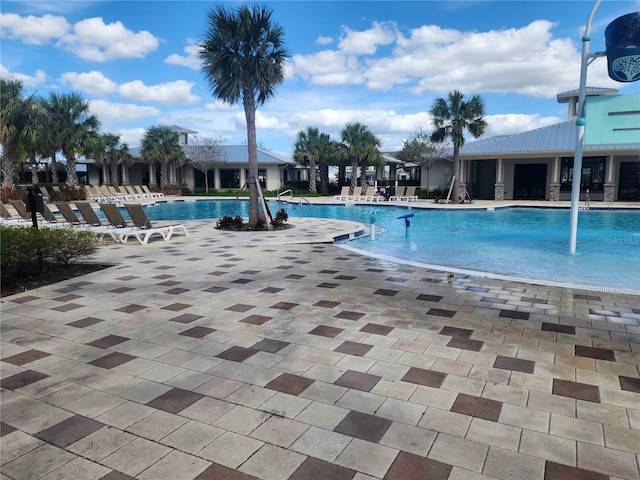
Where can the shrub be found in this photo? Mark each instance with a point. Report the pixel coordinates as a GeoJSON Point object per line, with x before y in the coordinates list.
{"type": "Point", "coordinates": [230, 223]}
{"type": "Point", "coordinates": [68, 194]}
{"type": "Point", "coordinates": [27, 250]}
{"type": "Point", "coordinates": [170, 190]}
{"type": "Point", "coordinates": [281, 217]}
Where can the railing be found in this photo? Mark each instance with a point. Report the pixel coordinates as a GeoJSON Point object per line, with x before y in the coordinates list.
{"type": "Point", "coordinates": [289, 191]}
{"type": "Point", "coordinates": [305, 200]}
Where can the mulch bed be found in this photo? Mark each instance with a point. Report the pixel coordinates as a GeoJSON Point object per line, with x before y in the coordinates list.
{"type": "Point", "coordinates": [53, 274]}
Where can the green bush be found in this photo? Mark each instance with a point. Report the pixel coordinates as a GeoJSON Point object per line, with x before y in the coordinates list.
{"type": "Point", "coordinates": [27, 250]}
{"type": "Point", "coordinates": [230, 223]}
{"type": "Point", "coordinates": [281, 217]}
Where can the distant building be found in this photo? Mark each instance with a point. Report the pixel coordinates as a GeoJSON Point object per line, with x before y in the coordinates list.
{"type": "Point", "coordinates": [538, 164]}
{"type": "Point", "coordinates": [230, 173]}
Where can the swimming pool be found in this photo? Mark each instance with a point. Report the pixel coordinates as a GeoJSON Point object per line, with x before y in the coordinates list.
{"type": "Point", "coordinates": [527, 243]}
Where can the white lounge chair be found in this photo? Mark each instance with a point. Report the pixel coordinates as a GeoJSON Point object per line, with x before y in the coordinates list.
{"type": "Point", "coordinates": [399, 194]}
{"type": "Point", "coordinates": [342, 196]}
{"type": "Point", "coordinates": [146, 228]}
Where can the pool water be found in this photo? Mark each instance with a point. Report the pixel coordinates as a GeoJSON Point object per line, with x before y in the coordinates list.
{"type": "Point", "coordinates": [528, 243]}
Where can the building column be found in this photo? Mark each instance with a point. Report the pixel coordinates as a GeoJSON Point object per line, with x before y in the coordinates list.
{"type": "Point", "coordinates": [106, 177]}
{"type": "Point", "coordinates": [125, 174]}
{"type": "Point", "coordinates": [216, 179]}
{"type": "Point", "coordinates": [171, 173]}
{"type": "Point", "coordinates": [498, 187]}
{"type": "Point", "coordinates": [243, 177]}
{"type": "Point", "coordinates": [152, 175]}
{"type": "Point", "coordinates": [554, 186]}
{"type": "Point", "coordinates": [609, 184]}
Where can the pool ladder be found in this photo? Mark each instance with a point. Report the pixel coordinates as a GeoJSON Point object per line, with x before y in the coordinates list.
{"type": "Point", "coordinates": [302, 199]}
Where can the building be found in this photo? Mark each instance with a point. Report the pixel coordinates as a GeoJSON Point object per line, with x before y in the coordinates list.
{"type": "Point", "coordinates": [230, 172]}
{"type": "Point", "coordinates": [538, 164]}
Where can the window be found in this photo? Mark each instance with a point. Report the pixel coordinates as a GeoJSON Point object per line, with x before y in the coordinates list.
{"type": "Point", "coordinates": [262, 177]}
{"type": "Point", "coordinates": [592, 177]}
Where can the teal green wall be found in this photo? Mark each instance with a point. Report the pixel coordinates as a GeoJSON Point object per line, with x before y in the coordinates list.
{"type": "Point", "coordinates": [603, 128]}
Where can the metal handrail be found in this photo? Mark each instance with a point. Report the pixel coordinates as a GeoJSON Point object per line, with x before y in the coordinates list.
{"type": "Point", "coordinates": [305, 200]}
{"type": "Point", "coordinates": [286, 191]}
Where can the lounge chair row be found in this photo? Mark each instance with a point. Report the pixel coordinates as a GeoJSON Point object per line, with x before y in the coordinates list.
{"type": "Point", "coordinates": [407, 194]}
{"type": "Point", "coordinates": [117, 227]}
{"type": "Point", "coordinates": [107, 193]}
{"type": "Point", "coordinates": [369, 195]}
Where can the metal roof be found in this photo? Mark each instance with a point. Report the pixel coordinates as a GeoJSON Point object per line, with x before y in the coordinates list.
{"type": "Point", "coordinates": [564, 97]}
{"type": "Point", "coordinates": [236, 154]}
{"type": "Point", "coordinates": [557, 138]}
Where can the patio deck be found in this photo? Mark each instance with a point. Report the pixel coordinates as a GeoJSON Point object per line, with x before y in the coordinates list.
{"type": "Point", "coordinates": [216, 356]}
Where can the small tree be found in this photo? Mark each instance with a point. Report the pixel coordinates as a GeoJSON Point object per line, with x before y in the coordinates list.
{"type": "Point", "coordinates": [421, 150]}
{"type": "Point", "coordinates": [451, 117]}
{"type": "Point", "coordinates": [204, 154]}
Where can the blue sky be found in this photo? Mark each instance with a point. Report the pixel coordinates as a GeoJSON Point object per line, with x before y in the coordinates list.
{"type": "Point", "coordinates": [381, 63]}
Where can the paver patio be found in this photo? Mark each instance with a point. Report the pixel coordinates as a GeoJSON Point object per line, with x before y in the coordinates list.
{"type": "Point", "coordinates": [281, 356]}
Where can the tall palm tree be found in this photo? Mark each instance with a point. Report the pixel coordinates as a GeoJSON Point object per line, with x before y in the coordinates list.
{"type": "Point", "coordinates": [161, 145]}
{"type": "Point", "coordinates": [330, 156]}
{"type": "Point", "coordinates": [451, 118]}
{"type": "Point", "coordinates": [311, 145]}
{"type": "Point", "coordinates": [48, 138]}
{"type": "Point", "coordinates": [75, 128]}
{"type": "Point", "coordinates": [361, 147]}
{"type": "Point", "coordinates": [243, 57]}
{"type": "Point", "coordinates": [16, 130]}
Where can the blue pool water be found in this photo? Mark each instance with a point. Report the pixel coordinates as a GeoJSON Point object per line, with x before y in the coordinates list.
{"type": "Point", "coordinates": [528, 243]}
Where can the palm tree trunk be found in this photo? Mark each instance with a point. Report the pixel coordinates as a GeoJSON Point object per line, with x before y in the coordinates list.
{"type": "Point", "coordinates": [54, 169]}
{"type": "Point", "coordinates": [72, 178]}
{"type": "Point", "coordinates": [206, 182]}
{"type": "Point", "coordinates": [250, 114]}
{"type": "Point", "coordinates": [354, 177]}
{"type": "Point", "coordinates": [164, 177]}
{"type": "Point", "coordinates": [8, 168]}
{"type": "Point", "coordinates": [456, 173]}
{"type": "Point", "coordinates": [324, 179]}
{"type": "Point", "coordinates": [312, 175]}
{"type": "Point", "coordinates": [114, 173]}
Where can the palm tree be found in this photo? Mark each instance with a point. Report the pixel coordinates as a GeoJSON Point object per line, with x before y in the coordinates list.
{"type": "Point", "coordinates": [161, 145]}
{"type": "Point", "coordinates": [311, 145]}
{"type": "Point", "coordinates": [451, 118]}
{"type": "Point", "coordinates": [108, 150]}
{"type": "Point", "coordinates": [361, 148]}
{"type": "Point", "coordinates": [74, 126]}
{"type": "Point", "coordinates": [16, 131]}
{"type": "Point", "coordinates": [48, 140]}
{"type": "Point", "coordinates": [243, 57]}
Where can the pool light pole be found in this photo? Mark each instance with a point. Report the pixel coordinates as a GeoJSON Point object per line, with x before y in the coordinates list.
{"type": "Point", "coordinates": [587, 58]}
{"type": "Point", "coordinates": [623, 59]}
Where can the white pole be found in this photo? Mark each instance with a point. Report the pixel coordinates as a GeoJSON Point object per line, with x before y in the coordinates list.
{"type": "Point", "coordinates": [580, 122]}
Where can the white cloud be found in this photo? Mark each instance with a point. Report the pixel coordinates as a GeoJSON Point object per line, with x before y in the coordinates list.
{"type": "Point", "coordinates": [94, 83]}
{"type": "Point", "coordinates": [170, 93]}
{"type": "Point", "coordinates": [324, 40]}
{"type": "Point", "coordinates": [96, 41]}
{"type": "Point", "coordinates": [190, 60]}
{"type": "Point", "coordinates": [27, 80]}
{"type": "Point", "coordinates": [367, 41]}
{"type": "Point", "coordinates": [132, 137]}
{"type": "Point", "coordinates": [219, 105]}
{"type": "Point", "coordinates": [328, 67]}
{"type": "Point", "coordinates": [526, 60]}
{"type": "Point", "coordinates": [109, 112]}
{"type": "Point", "coordinates": [33, 30]}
